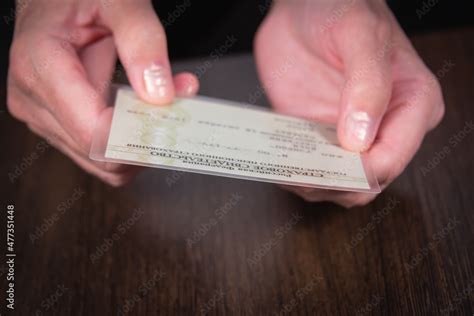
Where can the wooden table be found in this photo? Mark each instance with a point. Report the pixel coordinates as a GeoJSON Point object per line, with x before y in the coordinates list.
{"type": "Point", "coordinates": [182, 243]}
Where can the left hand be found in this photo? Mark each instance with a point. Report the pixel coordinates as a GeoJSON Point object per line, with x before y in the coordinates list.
{"type": "Point", "coordinates": [62, 60]}
{"type": "Point", "coordinates": [349, 63]}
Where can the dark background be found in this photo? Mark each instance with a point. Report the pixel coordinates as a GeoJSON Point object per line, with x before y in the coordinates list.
{"type": "Point", "coordinates": [204, 25]}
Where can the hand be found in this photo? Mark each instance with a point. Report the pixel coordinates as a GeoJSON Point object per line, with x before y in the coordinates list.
{"type": "Point", "coordinates": [349, 63]}
{"type": "Point", "coordinates": [61, 62]}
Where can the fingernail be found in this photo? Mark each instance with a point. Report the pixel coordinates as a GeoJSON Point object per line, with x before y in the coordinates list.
{"type": "Point", "coordinates": [360, 129]}
{"type": "Point", "coordinates": [157, 82]}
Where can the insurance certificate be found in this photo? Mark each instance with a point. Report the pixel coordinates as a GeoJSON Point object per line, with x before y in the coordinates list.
{"type": "Point", "coordinates": [222, 138]}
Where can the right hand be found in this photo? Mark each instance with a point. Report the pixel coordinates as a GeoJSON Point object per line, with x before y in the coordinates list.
{"type": "Point", "coordinates": [61, 62]}
{"type": "Point", "coordinates": [349, 63]}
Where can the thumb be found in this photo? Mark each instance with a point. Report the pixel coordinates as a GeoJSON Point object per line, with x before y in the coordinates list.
{"type": "Point", "coordinates": [367, 90]}
{"type": "Point", "coordinates": [141, 44]}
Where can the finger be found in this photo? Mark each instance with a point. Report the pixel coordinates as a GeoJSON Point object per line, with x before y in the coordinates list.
{"type": "Point", "coordinates": [186, 85]}
{"type": "Point", "coordinates": [345, 199]}
{"type": "Point", "coordinates": [141, 43]}
{"type": "Point", "coordinates": [404, 126]}
{"type": "Point", "coordinates": [65, 91]}
{"type": "Point", "coordinates": [366, 56]}
{"type": "Point", "coordinates": [43, 122]}
{"type": "Point", "coordinates": [110, 177]}
{"type": "Point", "coordinates": [99, 60]}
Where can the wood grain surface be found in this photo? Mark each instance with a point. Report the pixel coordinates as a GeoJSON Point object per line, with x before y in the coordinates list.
{"type": "Point", "coordinates": [173, 243]}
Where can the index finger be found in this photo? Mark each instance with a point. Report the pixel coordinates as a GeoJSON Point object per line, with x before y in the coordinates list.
{"type": "Point", "coordinates": [67, 93]}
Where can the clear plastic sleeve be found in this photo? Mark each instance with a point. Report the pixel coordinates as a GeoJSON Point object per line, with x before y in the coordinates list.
{"type": "Point", "coordinates": [101, 138]}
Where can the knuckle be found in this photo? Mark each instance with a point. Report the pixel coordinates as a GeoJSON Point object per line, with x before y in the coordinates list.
{"type": "Point", "coordinates": [390, 164]}
{"type": "Point", "coordinates": [355, 200]}
{"type": "Point", "coordinates": [79, 134]}
{"type": "Point", "coordinates": [16, 52]}
{"type": "Point", "coordinates": [307, 194]}
{"type": "Point", "coordinates": [435, 96]}
{"type": "Point", "coordinates": [310, 199]}
{"type": "Point", "coordinates": [438, 114]}
{"type": "Point", "coordinates": [307, 198]}
{"type": "Point", "coordinates": [358, 201]}
{"type": "Point", "coordinates": [36, 130]}
{"type": "Point", "coordinates": [115, 167]}
{"type": "Point", "coordinates": [361, 18]}
{"type": "Point", "coordinates": [363, 199]}
{"type": "Point", "coordinates": [14, 107]}
{"type": "Point", "coordinates": [438, 96]}
{"type": "Point", "coordinates": [18, 67]}
{"type": "Point", "coordinates": [116, 180]}
{"type": "Point", "coordinates": [84, 139]}
{"type": "Point", "coordinates": [429, 80]}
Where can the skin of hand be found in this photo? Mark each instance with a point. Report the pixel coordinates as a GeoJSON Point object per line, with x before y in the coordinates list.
{"type": "Point", "coordinates": [62, 59]}
{"type": "Point", "coordinates": [348, 63]}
